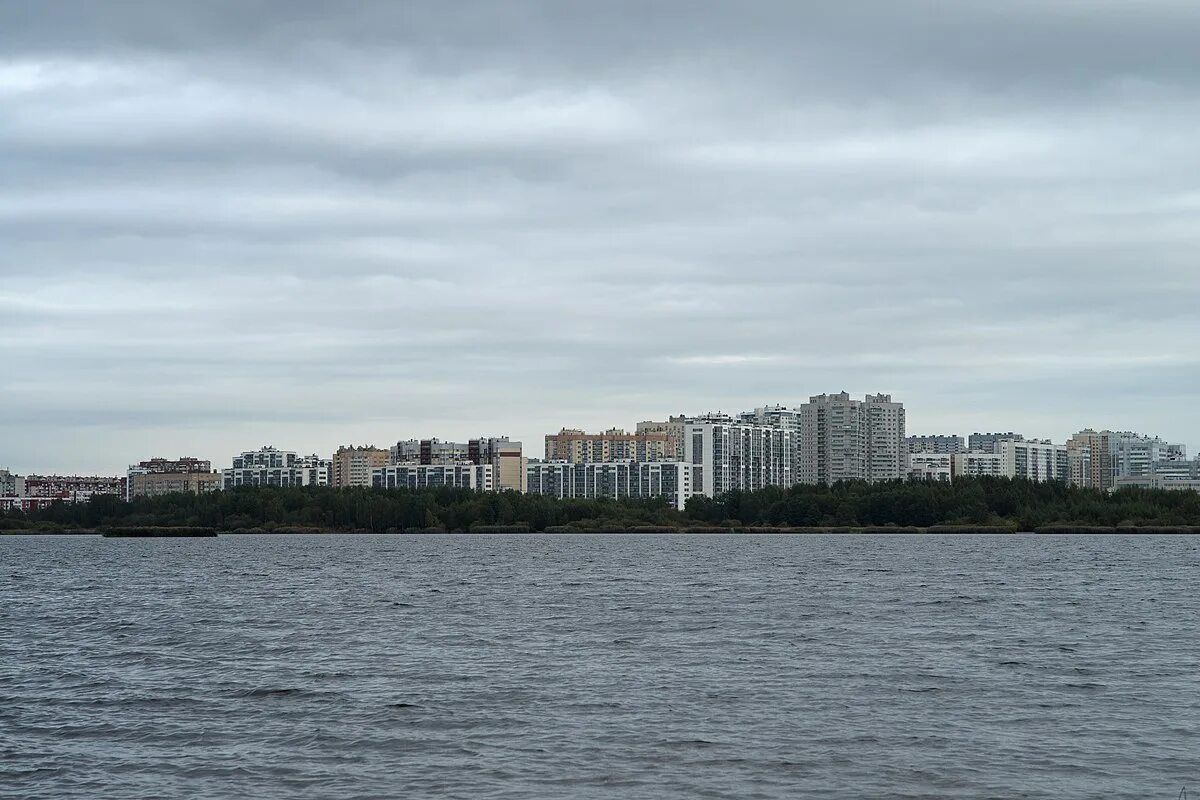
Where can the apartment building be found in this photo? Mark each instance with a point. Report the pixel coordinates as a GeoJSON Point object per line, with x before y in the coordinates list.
{"type": "Point", "coordinates": [931, 467]}
{"type": "Point", "coordinates": [428, 451]}
{"type": "Point", "coordinates": [501, 453]}
{"type": "Point", "coordinates": [845, 439]}
{"type": "Point", "coordinates": [672, 429]}
{"type": "Point", "coordinates": [154, 484]}
{"type": "Point", "coordinates": [935, 444]}
{"type": "Point", "coordinates": [70, 488]}
{"type": "Point", "coordinates": [1034, 459]}
{"type": "Point", "coordinates": [986, 442]}
{"type": "Point", "coordinates": [352, 465]}
{"type": "Point", "coordinates": [462, 475]}
{"type": "Point", "coordinates": [978, 465]}
{"type": "Point", "coordinates": [735, 454]}
{"type": "Point", "coordinates": [676, 481]}
{"type": "Point", "coordinates": [1171, 474]}
{"type": "Point", "coordinates": [269, 466]}
{"type": "Point", "coordinates": [576, 447]}
{"type": "Point", "coordinates": [1099, 459]}
{"type": "Point", "coordinates": [159, 476]}
{"type": "Point", "coordinates": [11, 485]}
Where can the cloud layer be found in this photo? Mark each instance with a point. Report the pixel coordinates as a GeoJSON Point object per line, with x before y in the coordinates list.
{"type": "Point", "coordinates": [227, 224]}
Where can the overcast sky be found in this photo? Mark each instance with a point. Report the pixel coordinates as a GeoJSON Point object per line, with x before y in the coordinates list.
{"type": "Point", "coordinates": [228, 224]}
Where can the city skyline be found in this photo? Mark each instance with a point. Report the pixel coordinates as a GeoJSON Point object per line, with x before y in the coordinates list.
{"type": "Point", "coordinates": [226, 223]}
{"type": "Point", "coordinates": [534, 444]}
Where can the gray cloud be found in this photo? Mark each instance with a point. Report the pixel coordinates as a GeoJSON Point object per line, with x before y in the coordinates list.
{"type": "Point", "coordinates": [224, 224]}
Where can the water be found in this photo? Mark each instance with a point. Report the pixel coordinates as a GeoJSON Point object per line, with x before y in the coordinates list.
{"type": "Point", "coordinates": [596, 667]}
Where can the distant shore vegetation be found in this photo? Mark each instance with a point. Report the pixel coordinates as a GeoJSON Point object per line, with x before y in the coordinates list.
{"type": "Point", "coordinates": [967, 505]}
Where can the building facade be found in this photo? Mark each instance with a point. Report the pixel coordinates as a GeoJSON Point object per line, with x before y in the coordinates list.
{"type": "Point", "coordinates": [931, 467]}
{"type": "Point", "coordinates": [352, 466]}
{"type": "Point", "coordinates": [577, 447]}
{"type": "Point", "coordinates": [843, 439]}
{"type": "Point", "coordinates": [1033, 459]}
{"type": "Point", "coordinates": [935, 444]}
{"type": "Point", "coordinates": [11, 485]}
{"type": "Point", "coordinates": [463, 475]}
{"type": "Point", "coordinates": [1172, 474]}
{"type": "Point", "coordinates": [268, 466]}
{"type": "Point", "coordinates": [428, 451]}
{"type": "Point", "coordinates": [154, 484]}
{"type": "Point", "coordinates": [672, 429]}
{"type": "Point", "coordinates": [734, 454]}
{"type": "Point", "coordinates": [986, 442]}
{"type": "Point", "coordinates": [1099, 459]}
{"type": "Point", "coordinates": [676, 481]}
{"type": "Point", "coordinates": [70, 488]}
{"type": "Point", "coordinates": [501, 453]}
{"type": "Point", "coordinates": [978, 465]}
{"type": "Point", "coordinates": [158, 476]}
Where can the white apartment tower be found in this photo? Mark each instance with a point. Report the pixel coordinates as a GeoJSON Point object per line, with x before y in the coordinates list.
{"type": "Point", "coordinates": [843, 439]}
{"type": "Point", "coordinates": [737, 454]}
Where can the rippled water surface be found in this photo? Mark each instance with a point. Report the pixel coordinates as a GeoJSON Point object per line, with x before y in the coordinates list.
{"type": "Point", "coordinates": [579, 667]}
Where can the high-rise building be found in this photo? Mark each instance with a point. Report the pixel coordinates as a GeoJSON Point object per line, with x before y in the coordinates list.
{"type": "Point", "coordinates": [159, 476]}
{"type": "Point", "coordinates": [352, 465]}
{"type": "Point", "coordinates": [614, 444]}
{"type": "Point", "coordinates": [1174, 474]}
{"type": "Point", "coordinates": [268, 466]}
{"type": "Point", "coordinates": [1089, 456]}
{"type": "Point", "coordinates": [1136, 454]}
{"type": "Point", "coordinates": [71, 488]}
{"type": "Point", "coordinates": [1034, 459]}
{"type": "Point", "coordinates": [976, 464]}
{"type": "Point", "coordinates": [11, 485]}
{"type": "Point", "coordinates": [735, 454]}
{"type": "Point", "coordinates": [673, 480]}
{"type": "Point", "coordinates": [505, 458]}
{"type": "Point", "coordinates": [1099, 459]}
{"type": "Point", "coordinates": [673, 429]}
{"type": "Point", "coordinates": [986, 442]}
{"type": "Point", "coordinates": [931, 467]}
{"type": "Point", "coordinates": [779, 416]}
{"type": "Point", "coordinates": [934, 444]}
{"type": "Point", "coordinates": [428, 451]}
{"type": "Point", "coordinates": [500, 452]}
{"type": "Point", "coordinates": [462, 475]}
{"type": "Point", "coordinates": [843, 439]}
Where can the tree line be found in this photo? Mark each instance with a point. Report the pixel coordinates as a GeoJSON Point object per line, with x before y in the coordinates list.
{"type": "Point", "coordinates": [969, 503]}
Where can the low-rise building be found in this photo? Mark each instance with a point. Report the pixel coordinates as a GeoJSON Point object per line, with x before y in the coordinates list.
{"type": "Point", "coordinates": [674, 480]}
{"type": "Point", "coordinates": [464, 475]}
